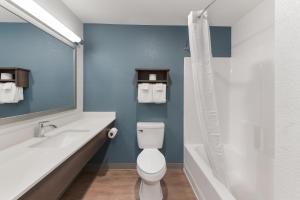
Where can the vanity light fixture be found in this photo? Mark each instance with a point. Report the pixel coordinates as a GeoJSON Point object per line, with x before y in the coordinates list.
{"type": "Point", "coordinates": [34, 9]}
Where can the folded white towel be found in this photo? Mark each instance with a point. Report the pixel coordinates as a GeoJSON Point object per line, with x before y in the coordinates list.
{"type": "Point", "coordinates": [144, 86]}
{"type": "Point", "coordinates": [8, 86]}
{"type": "Point", "coordinates": [19, 95]}
{"type": "Point", "coordinates": [159, 93]}
{"type": "Point", "coordinates": [145, 93]}
{"type": "Point", "coordinates": [159, 86]}
{"type": "Point", "coordinates": [10, 93]}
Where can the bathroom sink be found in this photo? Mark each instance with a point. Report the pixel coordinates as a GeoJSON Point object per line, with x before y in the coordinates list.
{"type": "Point", "coordinates": [62, 139]}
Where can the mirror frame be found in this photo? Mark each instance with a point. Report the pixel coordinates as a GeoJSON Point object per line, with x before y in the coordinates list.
{"type": "Point", "coordinates": [18, 118]}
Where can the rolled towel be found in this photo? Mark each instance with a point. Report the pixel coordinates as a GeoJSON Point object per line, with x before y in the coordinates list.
{"type": "Point", "coordinates": [159, 87]}
{"type": "Point", "coordinates": [8, 86]}
{"type": "Point", "coordinates": [144, 86]}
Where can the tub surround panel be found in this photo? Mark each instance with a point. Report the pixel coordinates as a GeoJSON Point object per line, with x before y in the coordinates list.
{"type": "Point", "coordinates": [112, 52]}
{"type": "Point", "coordinates": [287, 98]}
{"type": "Point", "coordinates": [245, 99]}
{"type": "Point", "coordinates": [251, 103]}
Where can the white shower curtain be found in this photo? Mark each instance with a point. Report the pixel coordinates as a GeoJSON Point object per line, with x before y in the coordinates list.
{"type": "Point", "coordinates": [205, 98]}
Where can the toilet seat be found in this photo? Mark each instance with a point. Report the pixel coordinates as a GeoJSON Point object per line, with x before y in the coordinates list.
{"type": "Point", "coordinates": [151, 161]}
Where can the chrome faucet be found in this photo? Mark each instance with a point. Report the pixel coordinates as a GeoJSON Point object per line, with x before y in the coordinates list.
{"type": "Point", "coordinates": [41, 126]}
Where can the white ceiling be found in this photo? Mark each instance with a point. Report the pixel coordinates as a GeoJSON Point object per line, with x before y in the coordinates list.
{"type": "Point", "coordinates": [157, 12]}
{"type": "Point", "coordinates": [6, 16]}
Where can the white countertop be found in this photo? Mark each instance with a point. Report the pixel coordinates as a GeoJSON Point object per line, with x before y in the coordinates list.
{"type": "Point", "coordinates": [22, 167]}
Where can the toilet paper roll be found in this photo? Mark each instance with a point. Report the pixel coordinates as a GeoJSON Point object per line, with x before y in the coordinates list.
{"type": "Point", "coordinates": [152, 77]}
{"type": "Point", "coordinates": [112, 133]}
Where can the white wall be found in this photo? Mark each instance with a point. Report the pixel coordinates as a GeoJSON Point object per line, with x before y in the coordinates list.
{"type": "Point", "coordinates": [251, 104]}
{"type": "Point", "coordinates": [287, 90]}
{"type": "Point", "coordinates": [13, 133]}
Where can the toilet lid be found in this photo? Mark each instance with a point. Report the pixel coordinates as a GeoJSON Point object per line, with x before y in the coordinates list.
{"type": "Point", "coordinates": [151, 161]}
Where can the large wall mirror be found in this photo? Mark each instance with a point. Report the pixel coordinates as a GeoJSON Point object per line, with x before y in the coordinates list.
{"type": "Point", "coordinates": [48, 63]}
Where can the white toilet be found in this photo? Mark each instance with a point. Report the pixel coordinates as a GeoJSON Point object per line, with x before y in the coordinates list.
{"type": "Point", "coordinates": [151, 163]}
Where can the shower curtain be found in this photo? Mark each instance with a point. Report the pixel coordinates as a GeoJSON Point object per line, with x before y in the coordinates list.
{"type": "Point", "coordinates": [205, 98]}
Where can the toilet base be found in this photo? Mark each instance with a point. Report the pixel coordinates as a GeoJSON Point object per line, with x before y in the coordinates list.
{"type": "Point", "coordinates": [150, 191]}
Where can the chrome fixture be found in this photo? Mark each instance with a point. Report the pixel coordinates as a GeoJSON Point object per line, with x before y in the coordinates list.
{"type": "Point", "coordinates": [187, 46]}
{"type": "Point", "coordinates": [206, 8]}
{"type": "Point", "coordinates": [41, 126]}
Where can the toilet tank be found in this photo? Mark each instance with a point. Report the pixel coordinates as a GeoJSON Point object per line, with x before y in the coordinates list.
{"type": "Point", "coordinates": [150, 134]}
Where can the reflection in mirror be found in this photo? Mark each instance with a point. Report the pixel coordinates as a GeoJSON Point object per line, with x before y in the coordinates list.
{"type": "Point", "coordinates": [47, 63]}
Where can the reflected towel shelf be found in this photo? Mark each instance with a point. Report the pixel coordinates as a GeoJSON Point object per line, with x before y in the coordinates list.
{"type": "Point", "coordinates": [20, 76]}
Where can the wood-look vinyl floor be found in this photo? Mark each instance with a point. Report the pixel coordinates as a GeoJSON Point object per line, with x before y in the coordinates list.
{"type": "Point", "coordinates": [123, 184]}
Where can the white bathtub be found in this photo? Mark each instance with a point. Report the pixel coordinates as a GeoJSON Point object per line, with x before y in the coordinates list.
{"type": "Point", "coordinates": [205, 185]}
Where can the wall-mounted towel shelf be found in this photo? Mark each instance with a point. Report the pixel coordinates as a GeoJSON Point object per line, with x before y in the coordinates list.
{"type": "Point", "coordinates": [20, 76]}
{"type": "Point", "coordinates": [162, 75]}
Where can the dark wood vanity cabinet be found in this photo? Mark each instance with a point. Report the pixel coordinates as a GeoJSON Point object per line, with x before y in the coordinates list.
{"type": "Point", "coordinates": [54, 185]}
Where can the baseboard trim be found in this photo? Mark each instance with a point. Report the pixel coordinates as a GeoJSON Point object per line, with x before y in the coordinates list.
{"type": "Point", "coordinates": [175, 165]}
{"type": "Point", "coordinates": [107, 166]}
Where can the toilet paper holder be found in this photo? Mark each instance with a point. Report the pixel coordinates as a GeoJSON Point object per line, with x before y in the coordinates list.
{"type": "Point", "coordinates": [112, 132]}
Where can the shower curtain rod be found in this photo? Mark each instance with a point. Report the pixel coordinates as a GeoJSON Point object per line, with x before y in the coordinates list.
{"type": "Point", "coordinates": [207, 7]}
{"type": "Point", "coordinates": [187, 46]}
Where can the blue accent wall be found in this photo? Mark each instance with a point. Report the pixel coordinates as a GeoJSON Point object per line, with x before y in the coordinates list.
{"type": "Point", "coordinates": [220, 41]}
{"type": "Point", "coordinates": [50, 61]}
{"type": "Point", "coordinates": [112, 52]}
